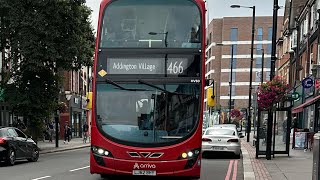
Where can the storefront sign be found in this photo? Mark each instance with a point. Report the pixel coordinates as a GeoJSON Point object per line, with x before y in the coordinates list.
{"type": "Point", "coordinates": [295, 96]}
{"type": "Point", "coordinates": [307, 82]}
{"type": "Point", "coordinates": [300, 139]}
{"type": "Point", "coordinates": [76, 100]}
{"type": "Point", "coordinates": [317, 84]}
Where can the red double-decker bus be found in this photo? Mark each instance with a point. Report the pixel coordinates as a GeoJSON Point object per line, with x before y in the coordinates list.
{"type": "Point", "coordinates": [148, 88]}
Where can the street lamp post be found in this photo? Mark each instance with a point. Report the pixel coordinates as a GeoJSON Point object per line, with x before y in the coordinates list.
{"type": "Point", "coordinates": [262, 66]}
{"type": "Point", "coordinates": [230, 83]}
{"type": "Point", "coordinates": [231, 79]}
{"type": "Point", "coordinates": [272, 74]}
{"type": "Point", "coordinates": [248, 129]}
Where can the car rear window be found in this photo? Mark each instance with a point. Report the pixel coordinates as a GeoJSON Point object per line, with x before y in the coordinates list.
{"type": "Point", "coordinates": [220, 132]}
{"type": "Point", "coordinates": [2, 132]}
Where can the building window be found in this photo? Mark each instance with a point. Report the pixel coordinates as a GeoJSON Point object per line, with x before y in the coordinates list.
{"type": "Point", "coordinates": [233, 90]}
{"type": "Point", "coordinates": [269, 48]}
{"type": "Point", "coordinates": [233, 37]}
{"type": "Point", "coordinates": [260, 34]}
{"type": "Point", "coordinates": [268, 75]}
{"type": "Point", "coordinates": [233, 77]}
{"type": "Point", "coordinates": [258, 57]}
{"type": "Point", "coordinates": [258, 76]}
{"type": "Point", "coordinates": [268, 60]}
{"type": "Point", "coordinates": [234, 34]}
{"type": "Point", "coordinates": [234, 56]}
{"type": "Point", "coordinates": [270, 33]}
{"type": "Point", "coordinates": [293, 39]}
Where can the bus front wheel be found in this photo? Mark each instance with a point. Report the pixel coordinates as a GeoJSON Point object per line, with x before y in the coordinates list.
{"type": "Point", "coordinates": [194, 178]}
{"type": "Point", "coordinates": [104, 176]}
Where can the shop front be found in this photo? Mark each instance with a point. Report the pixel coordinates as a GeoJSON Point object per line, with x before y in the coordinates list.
{"type": "Point", "coordinates": [305, 125]}
{"type": "Point", "coordinates": [306, 113]}
{"type": "Point", "coordinates": [77, 115]}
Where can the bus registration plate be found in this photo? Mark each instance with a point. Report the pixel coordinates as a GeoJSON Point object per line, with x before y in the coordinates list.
{"type": "Point", "coordinates": [144, 172]}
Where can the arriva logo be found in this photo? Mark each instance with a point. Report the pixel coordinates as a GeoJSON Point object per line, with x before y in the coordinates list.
{"type": "Point", "coordinates": [144, 166]}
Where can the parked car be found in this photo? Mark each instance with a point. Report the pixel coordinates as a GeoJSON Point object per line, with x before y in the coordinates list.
{"type": "Point", "coordinates": [229, 125]}
{"type": "Point", "coordinates": [15, 145]}
{"type": "Point", "coordinates": [221, 139]}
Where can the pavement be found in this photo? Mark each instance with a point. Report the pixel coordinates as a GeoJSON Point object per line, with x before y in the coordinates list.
{"type": "Point", "coordinates": [50, 147]}
{"type": "Point", "coordinates": [298, 165]}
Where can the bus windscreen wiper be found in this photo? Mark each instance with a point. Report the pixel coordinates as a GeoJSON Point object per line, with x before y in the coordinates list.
{"type": "Point", "coordinates": [121, 87]}
{"type": "Point", "coordinates": [161, 89]}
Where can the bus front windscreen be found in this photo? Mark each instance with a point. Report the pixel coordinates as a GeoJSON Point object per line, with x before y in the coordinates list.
{"type": "Point", "coordinates": [151, 24]}
{"type": "Point", "coordinates": [142, 115]}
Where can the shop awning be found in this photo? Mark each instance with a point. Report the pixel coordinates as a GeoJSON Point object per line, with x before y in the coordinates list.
{"type": "Point", "coordinates": [307, 103]}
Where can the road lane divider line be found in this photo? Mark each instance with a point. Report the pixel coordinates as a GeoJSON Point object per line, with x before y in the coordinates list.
{"type": "Point", "coordinates": [235, 170]}
{"type": "Point", "coordinates": [44, 177]}
{"type": "Point", "coordinates": [79, 168]}
{"type": "Point", "coordinates": [229, 170]}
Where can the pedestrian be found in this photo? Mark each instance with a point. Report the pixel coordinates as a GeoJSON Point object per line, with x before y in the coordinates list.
{"type": "Point", "coordinates": [85, 129]}
{"type": "Point", "coordinates": [284, 128]}
{"type": "Point", "coordinates": [20, 125]}
{"type": "Point", "coordinates": [67, 132]}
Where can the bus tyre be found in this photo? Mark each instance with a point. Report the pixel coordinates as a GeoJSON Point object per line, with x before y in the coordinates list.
{"type": "Point", "coordinates": [194, 178]}
{"type": "Point", "coordinates": [104, 176]}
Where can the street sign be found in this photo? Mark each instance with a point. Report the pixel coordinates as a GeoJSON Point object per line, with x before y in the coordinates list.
{"type": "Point", "coordinates": [317, 83]}
{"type": "Point", "coordinates": [307, 82]}
{"type": "Point", "coordinates": [295, 96]}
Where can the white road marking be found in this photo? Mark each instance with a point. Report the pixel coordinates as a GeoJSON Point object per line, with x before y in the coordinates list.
{"type": "Point", "coordinates": [41, 177]}
{"type": "Point", "coordinates": [79, 168]}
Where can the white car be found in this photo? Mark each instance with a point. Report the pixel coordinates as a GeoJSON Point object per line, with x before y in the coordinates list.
{"type": "Point", "coordinates": [221, 139]}
{"type": "Point", "coordinates": [228, 125]}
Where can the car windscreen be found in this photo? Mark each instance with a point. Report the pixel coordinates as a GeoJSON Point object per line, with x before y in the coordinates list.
{"type": "Point", "coordinates": [228, 132]}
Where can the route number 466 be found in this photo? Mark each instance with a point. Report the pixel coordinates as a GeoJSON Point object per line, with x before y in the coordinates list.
{"type": "Point", "coordinates": [175, 68]}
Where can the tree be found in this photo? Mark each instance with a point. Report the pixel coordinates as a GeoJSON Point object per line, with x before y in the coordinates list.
{"type": "Point", "coordinates": [44, 39]}
{"type": "Point", "coordinates": [236, 116]}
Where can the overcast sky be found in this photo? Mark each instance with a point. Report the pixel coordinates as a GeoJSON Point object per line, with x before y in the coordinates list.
{"type": "Point", "coordinates": [217, 8]}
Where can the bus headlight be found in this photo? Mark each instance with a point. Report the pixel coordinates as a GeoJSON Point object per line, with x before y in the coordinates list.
{"type": "Point", "coordinates": [190, 154]}
{"type": "Point", "coordinates": [184, 155]}
{"type": "Point", "coordinates": [101, 151]}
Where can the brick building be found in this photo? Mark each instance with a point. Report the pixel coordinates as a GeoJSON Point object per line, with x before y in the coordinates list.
{"type": "Point", "coordinates": [298, 49]}
{"type": "Point", "coordinates": [74, 93]}
{"type": "Point", "coordinates": [236, 32]}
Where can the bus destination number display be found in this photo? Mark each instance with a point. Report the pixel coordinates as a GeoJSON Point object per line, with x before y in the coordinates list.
{"type": "Point", "coordinates": [175, 66]}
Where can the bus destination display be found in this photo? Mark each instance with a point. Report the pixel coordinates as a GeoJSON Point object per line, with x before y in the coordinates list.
{"type": "Point", "coordinates": [175, 66]}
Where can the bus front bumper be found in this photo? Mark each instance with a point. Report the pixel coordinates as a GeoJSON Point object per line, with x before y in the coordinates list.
{"type": "Point", "coordinates": [111, 166]}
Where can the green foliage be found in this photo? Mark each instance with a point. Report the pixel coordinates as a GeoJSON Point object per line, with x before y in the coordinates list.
{"type": "Point", "coordinates": [45, 38]}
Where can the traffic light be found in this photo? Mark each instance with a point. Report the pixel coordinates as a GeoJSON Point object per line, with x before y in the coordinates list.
{"type": "Point", "coordinates": [89, 100]}
{"type": "Point", "coordinates": [211, 97]}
